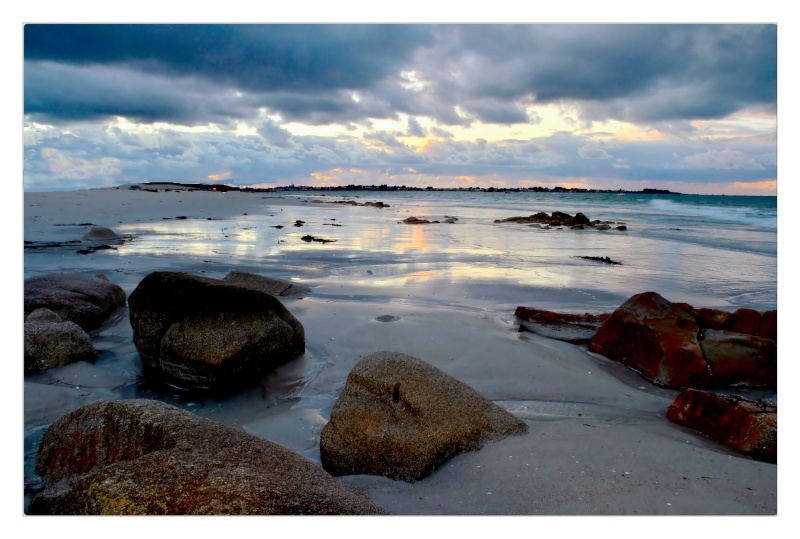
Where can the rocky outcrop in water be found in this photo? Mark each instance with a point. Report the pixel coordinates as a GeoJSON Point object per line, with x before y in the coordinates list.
{"type": "Point", "coordinates": [209, 335]}
{"type": "Point", "coordinates": [673, 345]}
{"type": "Point", "coordinates": [402, 418]}
{"type": "Point", "coordinates": [142, 457]}
{"type": "Point", "coordinates": [560, 219]}
{"type": "Point", "coordinates": [52, 342]}
{"type": "Point", "coordinates": [86, 300]}
{"type": "Point", "coordinates": [749, 427]}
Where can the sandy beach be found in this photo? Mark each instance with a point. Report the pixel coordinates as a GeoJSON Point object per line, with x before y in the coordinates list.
{"type": "Point", "coordinates": [598, 441]}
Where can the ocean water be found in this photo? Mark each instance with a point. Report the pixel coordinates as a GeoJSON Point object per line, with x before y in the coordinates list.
{"type": "Point", "coordinates": [452, 289]}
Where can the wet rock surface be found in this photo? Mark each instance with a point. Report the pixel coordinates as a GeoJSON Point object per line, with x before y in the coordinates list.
{"type": "Point", "coordinates": [208, 335]}
{"type": "Point", "coordinates": [673, 345]}
{"type": "Point", "coordinates": [143, 457]}
{"type": "Point", "coordinates": [402, 418]}
{"type": "Point", "coordinates": [748, 427]}
{"type": "Point", "coordinates": [52, 342]}
{"type": "Point", "coordinates": [86, 300]}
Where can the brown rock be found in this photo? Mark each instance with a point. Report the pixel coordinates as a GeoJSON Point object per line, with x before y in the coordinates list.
{"type": "Point", "coordinates": [769, 325]}
{"type": "Point", "coordinates": [746, 321]}
{"type": "Point", "coordinates": [737, 358]}
{"type": "Point", "coordinates": [86, 300]}
{"type": "Point", "coordinates": [656, 338]}
{"type": "Point", "coordinates": [147, 457]}
{"type": "Point", "coordinates": [402, 418]}
{"type": "Point", "coordinates": [208, 335]}
{"type": "Point", "coordinates": [751, 428]}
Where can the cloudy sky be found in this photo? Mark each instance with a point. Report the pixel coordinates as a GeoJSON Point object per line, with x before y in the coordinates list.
{"type": "Point", "coordinates": [691, 108]}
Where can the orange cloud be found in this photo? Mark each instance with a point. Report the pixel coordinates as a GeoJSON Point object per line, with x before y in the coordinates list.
{"type": "Point", "coordinates": [222, 176]}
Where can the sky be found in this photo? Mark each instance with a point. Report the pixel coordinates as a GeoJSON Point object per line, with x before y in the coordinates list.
{"type": "Point", "coordinates": [686, 107]}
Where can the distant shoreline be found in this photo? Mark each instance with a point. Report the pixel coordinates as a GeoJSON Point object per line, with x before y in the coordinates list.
{"type": "Point", "coordinates": [224, 188]}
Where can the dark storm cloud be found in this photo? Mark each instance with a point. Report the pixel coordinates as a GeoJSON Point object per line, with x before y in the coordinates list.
{"type": "Point", "coordinates": [78, 93]}
{"type": "Point", "coordinates": [661, 71]}
{"type": "Point", "coordinates": [91, 71]}
{"type": "Point", "coordinates": [307, 58]}
{"type": "Point", "coordinates": [309, 73]}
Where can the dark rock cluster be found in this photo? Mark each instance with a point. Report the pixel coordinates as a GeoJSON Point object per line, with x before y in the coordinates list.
{"type": "Point", "coordinates": [560, 219]}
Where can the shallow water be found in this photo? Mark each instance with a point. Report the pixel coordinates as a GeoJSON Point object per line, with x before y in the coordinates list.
{"type": "Point", "coordinates": [445, 293]}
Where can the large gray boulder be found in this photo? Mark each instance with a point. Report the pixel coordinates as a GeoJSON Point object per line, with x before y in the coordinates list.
{"type": "Point", "coordinates": [51, 342]}
{"type": "Point", "coordinates": [402, 418]}
{"type": "Point", "coordinates": [143, 457]}
{"type": "Point", "coordinates": [207, 335]}
{"type": "Point", "coordinates": [84, 299]}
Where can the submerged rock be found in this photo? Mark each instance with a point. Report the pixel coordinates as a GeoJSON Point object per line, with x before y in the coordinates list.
{"type": "Point", "coordinates": [142, 457]}
{"type": "Point", "coordinates": [52, 342]}
{"type": "Point", "coordinates": [101, 233]}
{"type": "Point", "coordinates": [209, 335]}
{"type": "Point", "coordinates": [402, 418]}
{"type": "Point", "coordinates": [270, 285]}
{"type": "Point", "coordinates": [86, 300]}
{"type": "Point", "coordinates": [751, 428]}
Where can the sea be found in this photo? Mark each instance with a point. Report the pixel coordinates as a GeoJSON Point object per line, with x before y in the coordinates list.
{"type": "Point", "coordinates": [709, 251]}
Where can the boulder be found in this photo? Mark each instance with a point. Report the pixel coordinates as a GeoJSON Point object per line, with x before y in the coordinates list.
{"type": "Point", "coordinates": [86, 300]}
{"type": "Point", "coordinates": [402, 418]}
{"type": "Point", "coordinates": [51, 342]}
{"type": "Point", "coordinates": [580, 219]}
{"type": "Point", "coordinates": [678, 346]}
{"type": "Point", "coordinates": [656, 338]}
{"type": "Point", "coordinates": [206, 335]}
{"type": "Point", "coordinates": [746, 321]}
{"type": "Point", "coordinates": [737, 358]}
{"type": "Point", "coordinates": [575, 328]}
{"type": "Point", "coordinates": [143, 457]}
{"type": "Point", "coordinates": [749, 427]}
{"type": "Point", "coordinates": [270, 285]}
{"type": "Point", "coordinates": [715, 319]}
{"type": "Point", "coordinates": [769, 325]}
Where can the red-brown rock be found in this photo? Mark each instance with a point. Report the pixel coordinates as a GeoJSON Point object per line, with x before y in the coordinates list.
{"type": "Point", "coordinates": [751, 428]}
{"type": "Point", "coordinates": [769, 325]}
{"type": "Point", "coordinates": [736, 358]}
{"type": "Point", "coordinates": [715, 319]}
{"type": "Point", "coordinates": [746, 321]}
{"type": "Point", "coordinates": [656, 338]}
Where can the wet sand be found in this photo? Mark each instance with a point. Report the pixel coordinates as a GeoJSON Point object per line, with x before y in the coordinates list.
{"type": "Point", "coordinates": [598, 442]}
